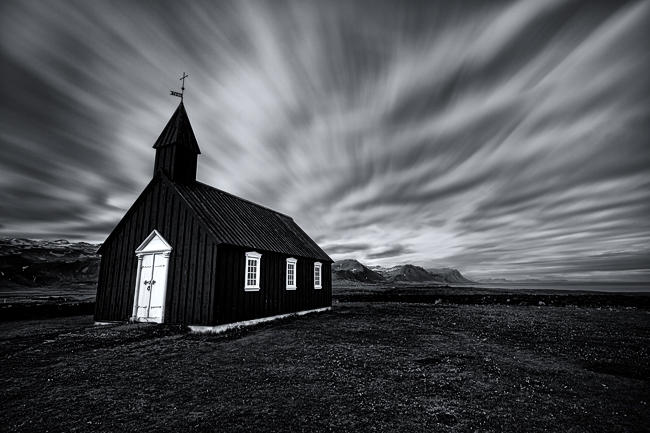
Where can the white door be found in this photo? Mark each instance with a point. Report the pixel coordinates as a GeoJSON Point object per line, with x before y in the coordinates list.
{"type": "Point", "coordinates": [151, 280]}
{"type": "Point", "coordinates": [146, 273]}
{"type": "Point", "coordinates": [158, 285]}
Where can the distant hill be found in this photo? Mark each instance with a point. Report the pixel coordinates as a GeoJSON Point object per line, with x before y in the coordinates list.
{"type": "Point", "coordinates": [409, 273]}
{"type": "Point", "coordinates": [449, 275]}
{"type": "Point", "coordinates": [354, 271]}
{"type": "Point", "coordinates": [403, 273]}
{"type": "Point", "coordinates": [34, 263]}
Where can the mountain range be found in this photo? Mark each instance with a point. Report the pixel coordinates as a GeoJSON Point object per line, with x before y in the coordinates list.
{"type": "Point", "coordinates": [353, 270]}
{"type": "Point", "coordinates": [40, 263]}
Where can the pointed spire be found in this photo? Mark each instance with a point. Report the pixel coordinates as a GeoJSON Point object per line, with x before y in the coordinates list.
{"type": "Point", "coordinates": [178, 132]}
{"type": "Point", "coordinates": [176, 149]}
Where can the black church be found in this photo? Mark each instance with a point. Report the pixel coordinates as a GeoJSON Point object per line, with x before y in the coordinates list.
{"type": "Point", "coordinates": [188, 253]}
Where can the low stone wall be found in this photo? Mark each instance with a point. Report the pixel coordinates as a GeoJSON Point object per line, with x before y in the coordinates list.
{"type": "Point", "coordinates": [45, 310]}
{"type": "Point", "coordinates": [563, 299]}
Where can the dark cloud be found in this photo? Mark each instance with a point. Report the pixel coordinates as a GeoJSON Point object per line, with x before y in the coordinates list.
{"type": "Point", "coordinates": [394, 251]}
{"type": "Point", "coordinates": [506, 138]}
{"type": "Point", "coordinates": [347, 248]}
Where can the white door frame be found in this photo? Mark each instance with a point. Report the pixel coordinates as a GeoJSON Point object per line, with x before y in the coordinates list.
{"type": "Point", "coordinates": [160, 248]}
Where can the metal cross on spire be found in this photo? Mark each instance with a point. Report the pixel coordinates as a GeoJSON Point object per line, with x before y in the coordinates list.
{"type": "Point", "coordinates": [180, 94]}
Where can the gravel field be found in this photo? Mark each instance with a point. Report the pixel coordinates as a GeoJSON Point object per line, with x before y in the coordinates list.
{"type": "Point", "coordinates": [363, 366]}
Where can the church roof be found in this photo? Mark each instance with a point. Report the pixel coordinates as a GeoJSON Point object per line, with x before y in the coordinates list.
{"type": "Point", "coordinates": [178, 131]}
{"type": "Point", "coordinates": [236, 221]}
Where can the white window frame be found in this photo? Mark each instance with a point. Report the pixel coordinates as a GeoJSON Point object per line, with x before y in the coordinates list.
{"type": "Point", "coordinates": [255, 256]}
{"type": "Point", "coordinates": [319, 266]}
{"type": "Point", "coordinates": [294, 262]}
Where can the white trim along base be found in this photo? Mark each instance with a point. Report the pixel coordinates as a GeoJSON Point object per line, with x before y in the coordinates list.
{"type": "Point", "coordinates": [107, 323]}
{"type": "Point", "coordinates": [223, 328]}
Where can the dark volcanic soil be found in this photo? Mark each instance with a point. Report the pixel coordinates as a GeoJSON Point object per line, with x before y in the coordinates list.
{"type": "Point", "coordinates": [362, 367]}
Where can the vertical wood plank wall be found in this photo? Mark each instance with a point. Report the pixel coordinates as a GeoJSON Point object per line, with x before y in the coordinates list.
{"type": "Point", "coordinates": [178, 164]}
{"type": "Point", "coordinates": [235, 304]}
{"type": "Point", "coordinates": [189, 297]}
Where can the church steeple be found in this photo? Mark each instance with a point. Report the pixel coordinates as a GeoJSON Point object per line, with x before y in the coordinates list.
{"type": "Point", "coordinates": [176, 148]}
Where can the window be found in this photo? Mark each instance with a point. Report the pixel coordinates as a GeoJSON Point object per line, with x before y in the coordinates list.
{"type": "Point", "coordinates": [252, 271]}
{"type": "Point", "coordinates": [291, 274]}
{"type": "Point", "coordinates": [317, 273]}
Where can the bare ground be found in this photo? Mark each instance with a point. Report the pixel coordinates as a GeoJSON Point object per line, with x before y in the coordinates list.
{"type": "Point", "coordinates": [363, 367]}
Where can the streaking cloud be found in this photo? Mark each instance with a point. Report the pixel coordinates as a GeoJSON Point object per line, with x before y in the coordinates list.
{"type": "Point", "coordinates": [505, 139]}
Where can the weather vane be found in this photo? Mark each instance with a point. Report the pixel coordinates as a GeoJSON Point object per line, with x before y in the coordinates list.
{"type": "Point", "coordinates": [180, 94]}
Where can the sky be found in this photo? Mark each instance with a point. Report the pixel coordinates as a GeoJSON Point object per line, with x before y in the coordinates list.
{"type": "Point", "coordinates": [505, 139]}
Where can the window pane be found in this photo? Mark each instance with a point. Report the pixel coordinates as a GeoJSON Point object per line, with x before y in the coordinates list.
{"type": "Point", "coordinates": [252, 272]}
{"type": "Point", "coordinates": [291, 269]}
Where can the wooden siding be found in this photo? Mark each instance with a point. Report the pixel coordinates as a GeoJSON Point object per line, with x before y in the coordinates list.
{"type": "Point", "coordinates": [178, 163]}
{"type": "Point", "coordinates": [191, 279]}
{"type": "Point", "coordinates": [234, 304]}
